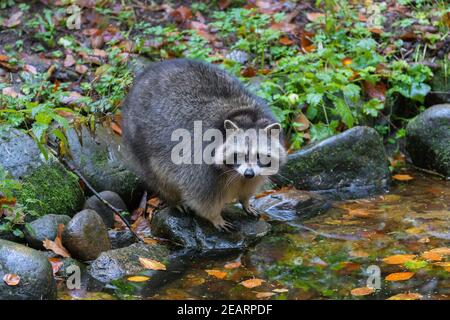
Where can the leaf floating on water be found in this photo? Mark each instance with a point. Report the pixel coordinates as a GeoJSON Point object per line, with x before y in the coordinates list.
{"type": "Point", "coordinates": [252, 283]}
{"type": "Point", "coordinates": [233, 265]}
{"type": "Point", "coordinates": [363, 291]}
{"type": "Point", "coordinates": [399, 276]}
{"type": "Point", "coordinates": [262, 295]}
{"type": "Point", "coordinates": [216, 273]}
{"type": "Point", "coordinates": [152, 264]}
{"type": "Point", "coordinates": [432, 256]}
{"type": "Point", "coordinates": [399, 258]}
{"type": "Point", "coordinates": [402, 177]}
{"type": "Point", "coordinates": [11, 279]}
{"type": "Point", "coordinates": [406, 296]}
{"type": "Point", "coordinates": [138, 279]}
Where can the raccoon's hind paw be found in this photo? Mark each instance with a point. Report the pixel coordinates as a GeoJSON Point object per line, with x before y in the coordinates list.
{"type": "Point", "coordinates": [224, 226]}
{"type": "Point", "coordinates": [252, 211]}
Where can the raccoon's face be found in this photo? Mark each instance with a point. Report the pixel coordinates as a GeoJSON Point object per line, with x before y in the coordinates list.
{"type": "Point", "coordinates": [251, 152]}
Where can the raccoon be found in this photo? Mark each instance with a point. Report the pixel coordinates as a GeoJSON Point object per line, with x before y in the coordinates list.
{"type": "Point", "coordinates": [174, 94]}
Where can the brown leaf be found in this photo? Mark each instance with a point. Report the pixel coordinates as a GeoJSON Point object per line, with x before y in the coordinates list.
{"type": "Point", "coordinates": [252, 283]}
{"type": "Point", "coordinates": [286, 41]}
{"type": "Point", "coordinates": [375, 91]}
{"type": "Point", "coordinates": [56, 245]}
{"type": "Point", "coordinates": [363, 291]}
{"type": "Point", "coordinates": [399, 276]}
{"type": "Point", "coordinates": [99, 53]}
{"type": "Point", "coordinates": [13, 20]}
{"type": "Point", "coordinates": [116, 128]}
{"type": "Point", "coordinates": [9, 91]}
{"type": "Point", "coordinates": [181, 14]}
{"type": "Point", "coordinates": [216, 273]}
{"type": "Point", "coordinates": [248, 72]}
{"type": "Point", "coordinates": [406, 296]}
{"type": "Point", "coordinates": [11, 279]}
{"type": "Point", "coordinates": [223, 4]}
{"type": "Point", "coordinates": [431, 256]}
{"type": "Point", "coordinates": [233, 265]}
{"type": "Point", "coordinates": [402, 177]}
{"type": "Point", "coordinates": [315, 16]}
{"type": "Point", "coordinates": [443, 251]}
{"type": "Point", "coordinates": [69, 61]}
{"type": "Point", "coordinates": [56, 264]}
{"type": "Point", "coordinates": [303, 122]}
{"type": "Point", "coordinates": [152, 264]}
{"type": "Point", "coordinates": [262, 295]}
{"type": "Point", "coordinates": [81, 68]}
{"type": "Point", "coordinates": [399, 258]}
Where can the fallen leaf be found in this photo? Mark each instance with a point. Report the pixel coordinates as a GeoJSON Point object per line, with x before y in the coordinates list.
{"type": "Point", "coordinates": [347, 61]}
{"type": "Point", "coordinates": [314, 16]}
{"type": "Point", "coordinates": [150, 241]}
{"type": "Point", "coordinates": [375, 91]}
{"type": "Point", "coordinates": [13, 20]}
{"type": "Point", "coordinates": [223, 4]}
{"type": "Point", "coordinates": [302, 121]}
{"type": "Point", "coordinates": [359, 254]}
{"type": "Point", "coordinates": [399, 258]}
{"type": "Point", "coordinates": [233, 265]}
{"type": "Point", "coordinates": [151, 264]}
{"type": "Point", "coordinates": [181, 14]}
{"type": "Point", "coordinates": [56, 264]}
{"type": "Point", "coordinates": [252, 283]}
{"type": "Point", "coordinates": [11, 279]}
{"type": "Point", "coordinates": [406, 296]}
{"type": "Point", "coordinates": [399, 276]}
{"type": "Point", "coordinates": [363, 291]}
{"type": "Point", "coordinates": [29, 68]}
{"type": "Point", "coordinates": [116, 128]}
{"type": "Point", "coordinates": [280, 290]}
{"type": "Point", "coordinates": [138, 279]}
{"type": "Point", "coordinates": [9, 91]}
{"type": "Point", "coordinates": [431, 256]}
{"type": "Point", "coordinates": [262, 295]}
{"type": "Point", "coordinates": [81, 68]}
{"type": "Point", "coordinates": [56, 246]}
{"type": "Point", "coordinates": [402, 177]}
{"type": "Point", "coordinates": [286, 41]}
{"type": "Point", "coordinates": [443, 251]}
{"type": "Point", "coordinates": [216, 273]}
{"type": "Point", "coordinates": [69, 61]}
{"type": "Point", "coordinates": [248, 72]}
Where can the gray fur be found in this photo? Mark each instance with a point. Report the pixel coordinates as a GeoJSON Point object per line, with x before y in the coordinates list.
{"type": "Point", "coordinates": [173, 94]}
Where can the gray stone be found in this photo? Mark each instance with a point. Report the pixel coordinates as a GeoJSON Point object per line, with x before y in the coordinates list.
{"type": "Point", "coordinates": [102, 209]}
{"type": "Point", "coordinates": [348, 165]}
{"type": "Point", "coordinates": [86, 236]}
{"type": "Point", "coordinates": [121, 238]}
{"type": "Point", "coordinates": [118, 263]}
{"type": "Point", "coordinates": [33, 268]}
{"type": "Point", "coordinates": [238, 56]}
{"type": "Point", "coordinates": [200, 235]}
{"type": "Point", "coordinates": [102, 162]}
{"type": "Point", "coordinates": [291, 205]}
{"type": "Point", "coordinates": [428, 139]}
{"type": "Point", "coordinates": [43, 228]}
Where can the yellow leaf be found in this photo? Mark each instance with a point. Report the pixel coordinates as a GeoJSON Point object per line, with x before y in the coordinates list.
{"type": "Point", "coordinates": [402, 177]}
{"type": "Point", "coordinates": [252, 283]}
{"type": "Point", "coordinates": [280, 290]}
{"type": "Point", "coordinates": [11, 279]}
{"type": "Point", "coordinates": [399, 276]}
{"type": "Point", "coordinates": [150, 241]}
{"type": "Point", "coordinates": [406, 296]}
{"type": "Point", "coordinates": [399, 258]}
{"type": "Point", "coordinates": [138, 279]}
{"type": "Point", "coordinates": [442, 264]}
{"type": "Point", "coordinates": [359, 254]}
{"type": "Point", "coordinates": [152, 264]}
{"type": "Point", "coordinates": [432, 256]}
{"type": "Point", "coordinates": [232, 265]}
{"type": "Point", "coordinates": [216, 273]}
{"type": "Point", "coordinates": [363, 291]}
{"type": "Point", "coordinates": [261, 295]}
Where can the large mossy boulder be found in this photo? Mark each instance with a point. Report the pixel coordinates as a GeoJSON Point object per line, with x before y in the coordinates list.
{"type": "Point", "coordinates": [197, 234]}
{"type": "Point", "coordinates": [100, 158]}
{"type": "Point", "coordinates": [428, 139]}
{"type": "Point", "coordinates": [51, 189]}
{"type": "Point", "coordinates": [33, 268]}
{"type": "Point", "coordinates": [348, 165]}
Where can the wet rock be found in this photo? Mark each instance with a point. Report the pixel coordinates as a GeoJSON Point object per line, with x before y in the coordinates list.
{"type": "Point", "coordinates": [102, 209]}
{"type": "Point", "coordinates": [198, 234]}
{"type": "Point", "coordinates": [101, 160]}
{"type": "Point", "coordinates": [121, 238]}
{"type": "Point", "coordinates": [138, 65]}
{"type": "Point", "coordinates": [427, 139]}
{"type": "Point", "coordinates": [43, 228]}
{"type": "Point", "coordinates": [51, 189]}
{"type": "Point", "coordinates": [348, 165]}
{"type": "Point", "coordinates": [118, 263]}
{"type": "Point", "coordinates": [291, 205]}
{"type": "Point", "coordinates": [33, 268]}
{"type": "Point", "coordinates": [85, 236]}
{"type": "Point", "coordinates": [68, 267]}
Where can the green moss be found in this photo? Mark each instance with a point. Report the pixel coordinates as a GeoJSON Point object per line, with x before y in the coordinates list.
{"type": "Point", "coordinates": [50, 189]}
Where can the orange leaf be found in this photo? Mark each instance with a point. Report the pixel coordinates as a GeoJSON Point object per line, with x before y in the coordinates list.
{"type": "Point", "coordinates": [151, 264]}
{"type": "Point", "coordinates": [181, 14]}
{"type": "Point", "coordinates": [443, 251]}
{"type": "Point", "coordinates": [248, 72]}
{"type": "Point", "coordinates": [56, 246]}
{"type": "Point", "coordinates": [314, 16]}
{"type": "Point", "coordinates": [252, 283]}
{"type": "Point", "coordinates": [11, 279]}
{"type": "Point", "coordinates": [399, 276]}
{"type": "Point", "coordinates": [402, 177]}
{"type": "Point", "coordinates": [406, 296]}
{"type": "Point", "coordinates": [399, 258]}
{"type": "Point", "coordinates": [56, 264]}
{"type": "Point", "coordinates": [347, 61]}
{"type": "Point", "coordinates": [363, 291]}
{"type": "Point", "coordinates": [233, 265]}
{"type": "Point", "coordinates": [138, 279]}
{"type": "Point", "coordinates": [432, 256]}
{"type": "Point", "coordinates": [375, 91]}
{"type": "Point", "coordinates": [216, 273]}
{"type": "Point", "coordinates": [286, 41]}
{"type": "Point", "coordinates": [116, 128]}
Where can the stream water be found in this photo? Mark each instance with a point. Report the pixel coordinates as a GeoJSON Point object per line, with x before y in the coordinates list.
{"type": "Point", "coordinates": [330, 255]}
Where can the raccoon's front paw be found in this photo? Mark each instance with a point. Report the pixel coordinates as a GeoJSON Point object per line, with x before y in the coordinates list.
{"type": "Point", "coordinates": [224, 226]}
{"type": "Point", "coordinates": [252, 211]}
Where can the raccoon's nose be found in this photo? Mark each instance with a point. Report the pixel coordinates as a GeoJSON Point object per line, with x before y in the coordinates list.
{"type": "Point", "coordinates": [249, 173]}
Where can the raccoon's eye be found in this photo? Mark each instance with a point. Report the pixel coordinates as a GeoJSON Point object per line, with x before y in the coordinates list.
{"type": "Point", "coordinates": [267, 161]}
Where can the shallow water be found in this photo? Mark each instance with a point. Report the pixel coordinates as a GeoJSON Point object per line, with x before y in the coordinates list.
{"type": "Point", "coordinates": [328, 256]}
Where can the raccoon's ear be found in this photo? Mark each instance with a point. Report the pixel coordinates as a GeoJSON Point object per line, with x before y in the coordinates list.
{"type": "Point", "coordinates": [273, 126]}
{"type": "Point", "coordinates": [230, 125]}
